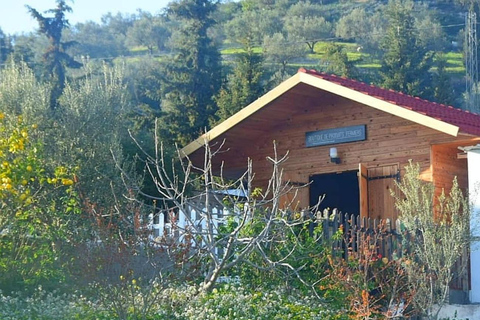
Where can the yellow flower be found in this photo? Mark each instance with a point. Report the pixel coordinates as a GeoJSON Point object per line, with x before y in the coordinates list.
{"type": "Point", "coordinates": [2, 116]}
{"type": "Point", "coordinates": [385, 260]}
{"type": "Point", "coordinates": [29, 168]}
{"type": "Point", "coordinates": [6, 186]}
{"type": "Point", "coordinates": [67, 182]}
{"type": "Point", "coordinates": [60, 171]}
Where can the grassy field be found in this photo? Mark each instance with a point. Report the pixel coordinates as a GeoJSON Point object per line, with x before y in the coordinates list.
{"type": "Point", "coordinates": [455, 62]}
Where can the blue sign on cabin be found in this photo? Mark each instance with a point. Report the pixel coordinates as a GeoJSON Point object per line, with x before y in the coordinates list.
{"type": "Point", "coordinates": [336, 135]}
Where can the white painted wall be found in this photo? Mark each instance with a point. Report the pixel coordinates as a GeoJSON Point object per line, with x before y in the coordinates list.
{"type": "Point", "coordinates": [473, 156]}
{"type": "Point", "coordinates": [460, 312]}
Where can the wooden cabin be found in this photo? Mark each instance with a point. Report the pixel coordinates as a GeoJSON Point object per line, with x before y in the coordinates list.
{"type": "Point", "coordinates": [373, 132]}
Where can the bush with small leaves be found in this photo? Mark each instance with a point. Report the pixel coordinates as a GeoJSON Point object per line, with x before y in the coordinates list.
{"type": "Point", "coordinates": [38, 209]}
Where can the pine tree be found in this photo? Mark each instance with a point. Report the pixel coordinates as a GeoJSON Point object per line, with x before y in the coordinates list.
{"type": "Point", "coordinates": [406, 63]}
{"type": "Point", "coordinates": [55, 58]}
{"type": "Point", "coordinates": [243, 86]}
{"type": "Point", "coordinates": [5, 47]}
{"type": "Point", "coordinates": [193, 78]}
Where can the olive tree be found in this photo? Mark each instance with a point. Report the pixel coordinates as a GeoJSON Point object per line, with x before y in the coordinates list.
{"type": "Point", "coordinates": [280, 50]}
{"type": "Point", "coordinates": [440, 227]}
{"type": "Point", "coordinates": [305, 21]}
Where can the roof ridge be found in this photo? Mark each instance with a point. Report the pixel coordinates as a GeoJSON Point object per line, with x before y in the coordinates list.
{"type": "Point", "coordinates": [433, 109]}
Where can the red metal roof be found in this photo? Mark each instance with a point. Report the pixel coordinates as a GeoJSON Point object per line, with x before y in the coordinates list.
{"type": "Point", "coordinates": [467, 122]}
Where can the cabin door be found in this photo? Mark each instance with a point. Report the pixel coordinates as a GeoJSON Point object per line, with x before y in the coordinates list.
{"type": "Point", "coordinates": [381, 185]}
{"type": "Point", "coordinates": [341, 191]}
{"type": "Point", "coordinates": [376, 186]}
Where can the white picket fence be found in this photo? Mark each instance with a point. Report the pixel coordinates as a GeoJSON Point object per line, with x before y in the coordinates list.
{"type": "Point", "coordinates": [161, 224]}
{"type": "Point", "coordinates": [193, 221]}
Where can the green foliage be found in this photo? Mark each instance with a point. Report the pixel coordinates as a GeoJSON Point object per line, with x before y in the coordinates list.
{"type": "Point", "coordinates": [243, 87]}
{"type": "Point", "coordinates": [95, 41]}
{"type": "Point", "coordinates": [441, 230]}
{"type": "Point", "coordinates": [5, 47]}
{"type": "Point", "coordinates": [22, 94]}
{"type": "Point", "coordinates": [39, 210]}
{"type": "Point", "coordinates": [431, 33]}
{"type": "Point", "coordinates": [235, 302]}
{"type": "Point", "coordinates": [280, 51]}
{"type": "Point", "coordinates": [55, 58]}
{"type": "Point", "coordinates": [296, 256]}
{"type": "Point", "coordinates": [130, 298]}
{"type": "Point", "coordinates": [337, 62]}
{"type": "Point", "coordinates": [367, 284]}
{"type": "Point", "coordinates": [49, 305]}
{"type": "Point", "coordinates": [149, 31]}
{"type": "Point", "coordinates": [80, 145]}
{"type": "Point", "coordinates": [241, 30]}
{"type": "Point", "coordinates": [89, 131]}
{"type": "Point", "coordinates": [118, 23]}
{"type": "Point", "coordinates": [192, 79]}
{"type": "Point", "coordinates": [278, 6]}
{"type": "Point", "coordinates": [304, 22]}
{"type": "Point", "coordinates": [362, 22]}
{"type": "Point", "coordinates": [406, 62]}
{"type": "Point", "coordinates": [143, 82]}
{"type": "Point", "coordinates": [443, 91]}
{"type": "Point", "coordinates": [364, 26]}
{"type": "Point", "coordinates": [28, 48]}
{"type": "Point", "coordinates": [229, 302]}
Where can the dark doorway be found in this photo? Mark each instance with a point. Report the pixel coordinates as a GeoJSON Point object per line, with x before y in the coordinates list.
{"type": "Point", "coordinates": [340, 189]}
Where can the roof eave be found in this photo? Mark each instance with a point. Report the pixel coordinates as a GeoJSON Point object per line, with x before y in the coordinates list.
{"type": "Point", "coordinates": [380, 104]}
{"type": "Point", "coordinates": [241, 115]}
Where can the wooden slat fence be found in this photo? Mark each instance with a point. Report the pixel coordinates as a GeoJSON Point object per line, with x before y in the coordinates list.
{"type": "Point", "coordinates": [382, 236]}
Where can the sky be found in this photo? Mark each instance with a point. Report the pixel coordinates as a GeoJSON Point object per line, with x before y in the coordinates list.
{"type": "Point", "coordinates": [14, 17]}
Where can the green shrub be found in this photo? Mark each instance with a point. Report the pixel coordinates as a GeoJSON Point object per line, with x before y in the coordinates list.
{"type": "Point", "coordinates": [228, 302]}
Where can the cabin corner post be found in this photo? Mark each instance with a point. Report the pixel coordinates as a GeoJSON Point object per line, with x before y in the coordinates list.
{"type": "Point", "coordinates": [473, 156]}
